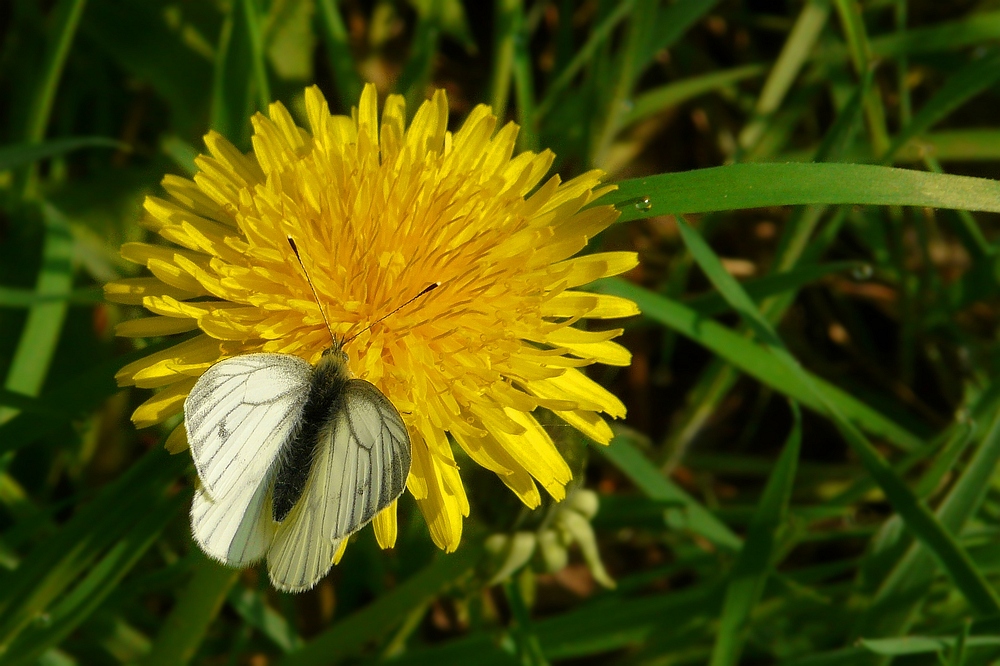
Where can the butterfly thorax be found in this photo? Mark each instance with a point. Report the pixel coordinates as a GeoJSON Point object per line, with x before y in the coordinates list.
{"type": "Point", "coordinates": [323, 403]}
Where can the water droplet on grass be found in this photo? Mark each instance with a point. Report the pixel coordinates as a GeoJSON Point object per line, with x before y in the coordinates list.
{"type": "Point", "coordinates": [862, 272]}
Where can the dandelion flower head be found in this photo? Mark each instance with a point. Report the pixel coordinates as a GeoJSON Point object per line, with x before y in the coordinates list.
{"type": "Point", "coordinates": [379, 211]}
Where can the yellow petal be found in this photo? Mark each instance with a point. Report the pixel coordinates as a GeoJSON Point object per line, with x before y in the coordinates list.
{"type": "Point", "coordinates": [189, 358]}
{"type": "Point", "coordinates": [384, 525]}
{"type": "Point", "coordinates": [536, 453]}
{"type": "Point", "coordinates": [591, 306]}
{"type": "Point", "coordinates": [337, 556]}
{"type": "Point", "coordinates": [163, 405]}
{"type": "Point", "coordinates": [177, 441]}
{"type": "Point", "coordinates": [577, 386]}
{"type": "Point", "coordinates": [149, 327]}
{"type": "Point", "coordinates": [589, 423]}
{"type": "Point", "coordinates": [131, 291]}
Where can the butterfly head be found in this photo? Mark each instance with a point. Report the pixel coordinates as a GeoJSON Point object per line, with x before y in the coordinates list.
{"type": "Point", "coordinates": [333, 362]}
{"type": "Point", "coordinates": [335, 352]}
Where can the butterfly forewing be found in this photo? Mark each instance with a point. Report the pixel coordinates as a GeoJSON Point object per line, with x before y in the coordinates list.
{"type": "Point", "coordinates": [239, 414]}
{"type": "Point", "coordinates": [370, 459]}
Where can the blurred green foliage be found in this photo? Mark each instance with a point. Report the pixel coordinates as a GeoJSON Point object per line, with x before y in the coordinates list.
{"type": "Point", "coordinates": [807, 474]}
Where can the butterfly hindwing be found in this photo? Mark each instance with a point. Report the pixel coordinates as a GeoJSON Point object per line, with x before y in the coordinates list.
{"type": "Point", "coordinates": [300, 554]}
{"type": "Point", "coordinates": [238, 416]}
{"type": "Point", "coordinates": [237, 529]}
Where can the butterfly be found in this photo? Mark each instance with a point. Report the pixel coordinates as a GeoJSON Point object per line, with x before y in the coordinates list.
{"type": "Point", "coordinates": [292, 459]}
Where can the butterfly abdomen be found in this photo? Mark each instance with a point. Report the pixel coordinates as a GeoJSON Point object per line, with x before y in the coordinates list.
{"type": "Point", "coordinates": [322, 405]}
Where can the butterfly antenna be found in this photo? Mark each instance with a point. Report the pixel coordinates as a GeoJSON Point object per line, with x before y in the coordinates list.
{"type": "Point", "coordinates": [428, 288]}
{"type": "Point", "coordinates": [312, 287]}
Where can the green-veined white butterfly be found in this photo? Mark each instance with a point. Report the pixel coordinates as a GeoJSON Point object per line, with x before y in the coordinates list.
{"type": "Point", "coordinates": [292, 459]}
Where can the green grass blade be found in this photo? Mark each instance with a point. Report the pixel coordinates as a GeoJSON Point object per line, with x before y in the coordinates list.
{"type": "Point", "coordinates": [100, 581]}
{"type": "Point", "coordinates": [255, 37]}
{"type": "Point", "coordinates": [760, 185]}
{"type": "Point", "coordinates": [27, 298]}
{"type": "Point", "coordinates": [924, 525]}
{"type": "Point", "coordinates": [672, 22]}
{"type": "Point", "coordinates": [180, 153]}
{"type": "Point", "coordinates": [508, 17]}
{"type": "Point", "coordinates": [859, 48]}
{"type": "Point", "coordinates": [416, 72]}
{"type": "Point", "coordinates": [773, 284]}
{"type": "Point", "coordinates": [688, 513]}
{"type": "Point", "coordinates": [978, 28]}
{"type": "Point", "coordinates": [895, 602]}
{"type": "Point", "coordinates": [348, 636]}
{"type": "Point", "coordinates": [40, 335]}
{"type": "Point", "coordinates": [754, 360]}
{"type": "Point", "coordinates": [80, 395]}
{"type": "Point", "coordinates": [529, 651]}
{"type": "Point", "coordinates": [67, 15]}
{"type": "Point", "coordinates": [605, 626]}
{"type": "Point", "coordinates": [56, 563]}
{"type": "Point", "coordinates": [232, 89]}
{"type": "Point", "coordinates": [908, 645]}
{"type": "Point", "coordinates": [584, 55]}
{"type": "Point", "coordinates": [252, 607]}
{"type": "Point", "coordinates": [197, 605]}
{"type": "Point", "coordinates": [672, 94]}
{"type": "Point", "coordinates": [794, 54]}
{"type": "Point", "coordinates": [137, 37]}
{"type": "Point", "coordinates": [961, 86]}
{"type": "Point", "coordinates": [524, 86]}
{"type": "Point", "coordinates": [27, 153]}
{"type": "Point", "coordinates": [338, 51]}
{"type": "Point", "coordinates": [753, 565]}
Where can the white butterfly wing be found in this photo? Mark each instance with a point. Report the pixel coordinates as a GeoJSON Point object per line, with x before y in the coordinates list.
{"type": "Point", "coordinates": [359, 469]}
{"type": "Point", "coordinates": [237, 417]}
{"type": "Point", "coordinates": [236, 530]}
{"type": "Point", "coordinates": [369, 461]}
{"type": "Point", "coordinates": [301, 553]}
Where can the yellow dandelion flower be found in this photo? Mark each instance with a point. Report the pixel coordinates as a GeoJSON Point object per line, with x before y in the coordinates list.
{"type": "Point", "coordinates": [379, 211]}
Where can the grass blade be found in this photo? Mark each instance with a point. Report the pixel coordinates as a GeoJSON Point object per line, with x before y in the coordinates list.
{"type": "Point", "coordinates": [197, 605]}
{"type": "Point", "coordinates": [338, 51]}
{"type": "Point", "coordinates": [752, 359]}
{"type": "Point", "coordinates": [348, 636]}
{"type": "Point", "coordinates": [101, 580]}
{"type": "Point", "coordinates": [963, 85]}
{"type": "Point", "coordinates": [894, 604]}
{"type": "Point", "coordinates": [56, 563]}
{"type": "Point", "coordinates": [753, 565]}
{"type": "Point", "coordinates": [924, 525]}
{"type": "Point", "coordinates": [27, 153]}
{"type": "Point", "coordinates": [759, 185]}
{"type": "Point", "coordinates": [689, 513]}
{"type": "Point", "coordinates": [82, 394]}
{"type": "Point", "coordinates": [40, 335]}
